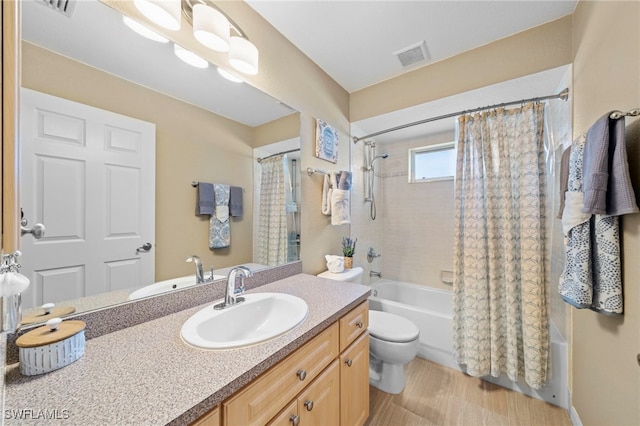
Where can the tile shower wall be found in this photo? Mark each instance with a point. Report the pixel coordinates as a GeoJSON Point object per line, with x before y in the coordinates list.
{"type": "Point", "coordinates": [367, 231]}
{"type": "Point", "coordinates": [417, 218]}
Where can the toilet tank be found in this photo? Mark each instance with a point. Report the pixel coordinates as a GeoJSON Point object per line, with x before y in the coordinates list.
{"type": "Point", "coordinates": [353, 275]}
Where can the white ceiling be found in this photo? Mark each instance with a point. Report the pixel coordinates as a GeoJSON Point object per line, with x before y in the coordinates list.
{"type": "Point", "coordinates": [354, 41]}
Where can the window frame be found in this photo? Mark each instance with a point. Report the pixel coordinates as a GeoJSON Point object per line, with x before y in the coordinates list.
{"type": "Point", "coordinates": [425, 149]}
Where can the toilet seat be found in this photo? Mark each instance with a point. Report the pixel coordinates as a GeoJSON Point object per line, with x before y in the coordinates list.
{"type": "Point", "coordinates": [391, 327]}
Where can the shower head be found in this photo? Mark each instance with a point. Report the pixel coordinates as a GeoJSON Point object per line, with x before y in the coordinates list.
{"type": "Point", "coordinates": [384, 155]}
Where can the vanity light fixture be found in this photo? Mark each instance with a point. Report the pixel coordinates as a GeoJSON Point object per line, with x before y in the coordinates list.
{"type": "Point", "coordinates": [165, 13]}
{"type": "Point", "coordinates": [229, 76]}
{"type": "Point", "coordinates": [214, 29]}
{"type": "Point", "coordinates": [143, 31]}
{"type": "Point", "coordinates": [189, 57]}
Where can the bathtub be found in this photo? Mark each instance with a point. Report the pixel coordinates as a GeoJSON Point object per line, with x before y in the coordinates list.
{"type": "Point", "coordinates": [431, 310]}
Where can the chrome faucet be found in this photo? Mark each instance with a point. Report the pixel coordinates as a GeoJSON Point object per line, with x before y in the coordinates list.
{"type": "Point", "coordinates": [200, 278]}
{"type": "Point", "coordinates": [230, 298]}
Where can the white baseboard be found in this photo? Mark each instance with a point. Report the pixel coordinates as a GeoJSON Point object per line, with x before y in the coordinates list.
{"type": "Point", "coordinates": [573, 414]}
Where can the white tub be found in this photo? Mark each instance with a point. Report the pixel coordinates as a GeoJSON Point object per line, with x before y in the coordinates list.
{"type": "Point", "coordinates": [432, 311]}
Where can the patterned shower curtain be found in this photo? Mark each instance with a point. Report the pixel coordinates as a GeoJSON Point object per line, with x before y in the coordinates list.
{"type": "Point", "coordinates": [272, 223]}
{"type": "Point", "coordinates": [501, 320]}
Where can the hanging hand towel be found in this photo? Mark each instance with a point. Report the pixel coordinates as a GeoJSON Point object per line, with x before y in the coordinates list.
{"type": "Point", "coordinates": [592, 275]}
{"type": "Point", "coordinates": [219, 228]}
{"type": "Point", "coordinates": [606, 181]}
{"type": "Point", "coordinates": [327, 191]}
{"type": "Point", "coordinates": [340, 210]}
{"type": "Point", "coordinates": [204, 198]}
{"type": "Point", "coordinates": [235, 201]}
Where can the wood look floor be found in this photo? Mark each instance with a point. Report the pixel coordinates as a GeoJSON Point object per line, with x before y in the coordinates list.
{"type": "Point", "coordinates": [437, 395]}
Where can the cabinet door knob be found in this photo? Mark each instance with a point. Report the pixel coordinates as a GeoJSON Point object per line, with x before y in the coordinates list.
{"type": "Point", "coordinates": [348, 361]}
{"type": "Point", "coordinates": [308, 405]}
{"type": "Point", "coordinates": [302, 374]}
{"type": "Point", "coordinates": [359, 324]}
{"type": "Point", "coordinates": [295, 420]}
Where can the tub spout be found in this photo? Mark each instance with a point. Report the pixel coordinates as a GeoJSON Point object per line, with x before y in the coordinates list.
{"type": "Point", "coordinates": [375, 274]}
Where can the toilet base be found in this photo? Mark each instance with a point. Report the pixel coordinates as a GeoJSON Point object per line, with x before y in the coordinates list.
{"type": "Point", "coordinates": [387, 377]}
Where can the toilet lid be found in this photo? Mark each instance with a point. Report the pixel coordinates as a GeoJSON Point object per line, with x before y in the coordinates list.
{"type": "Point", "coordinates": [391, 327]}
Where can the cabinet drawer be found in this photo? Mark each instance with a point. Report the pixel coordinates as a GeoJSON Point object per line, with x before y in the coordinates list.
{"type": "Point", "coordinates": [265, 397]}
{"type": "Point", "coordinates": [288, 416]}
{"type": "Point", "coordinates": [319, 404]}
{"type": "Point", "coordinates": [353, 324]}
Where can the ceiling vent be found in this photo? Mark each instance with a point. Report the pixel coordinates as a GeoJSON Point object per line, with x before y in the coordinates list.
{"type": "Point", "coordinates": [413, 54]}
{"type": "Point", "coordinates": [63, 6]}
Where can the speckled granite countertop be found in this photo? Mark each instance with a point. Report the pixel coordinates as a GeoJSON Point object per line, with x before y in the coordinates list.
{"type": "Point", "coordinates": [146, 374]}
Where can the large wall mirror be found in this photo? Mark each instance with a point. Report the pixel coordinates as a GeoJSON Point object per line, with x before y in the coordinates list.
{"type": "Point", "coordinates": [205, 129]}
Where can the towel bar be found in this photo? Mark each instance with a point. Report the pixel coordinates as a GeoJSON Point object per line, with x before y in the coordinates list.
{"type": "Point", "coordinates": [311, 171]}
{"type": "Point", "coordinates": [619, 114]}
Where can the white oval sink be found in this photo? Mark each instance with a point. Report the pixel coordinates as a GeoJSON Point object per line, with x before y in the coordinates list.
{"type": "Point", "coordinates": [262, 316]}
{"type": "Point", "coordinates": [168, 285]}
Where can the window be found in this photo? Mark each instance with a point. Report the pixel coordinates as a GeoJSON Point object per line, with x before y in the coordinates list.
{"type": "Point", "coordinates": [430, 163]}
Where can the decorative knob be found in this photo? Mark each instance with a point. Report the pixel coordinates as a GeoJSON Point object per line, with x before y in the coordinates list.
{"type": "Point", "coordinates": [295, 420]}
{"type": "Point", "coordinates": [301, 374]}
{"type": "Point", "coordinates": [47, 308]}
{"type": "Point", "coordinates": [308, 405]}
{"type": "Point", "coordinates": [348, 361]}
{"type": "Point", "coordinates": [359, 324]}
{"type": "Point", "coordinates": [53, 323]}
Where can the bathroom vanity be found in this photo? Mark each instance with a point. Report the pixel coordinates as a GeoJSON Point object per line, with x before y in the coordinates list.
{"type": "Point", "coordinates": [317, 373]}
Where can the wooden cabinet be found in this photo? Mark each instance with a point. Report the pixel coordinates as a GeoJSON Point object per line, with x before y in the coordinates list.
{"type": "Point", "coordinates": [212, 418]}
{"type": "Point", "coordinates": [354, 382]}
{"type": "Point", "coordinates": [325, 382]}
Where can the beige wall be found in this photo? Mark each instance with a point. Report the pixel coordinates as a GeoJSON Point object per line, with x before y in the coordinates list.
{"type": "Point", "coordinates": [606, 376]}
{"type": "Point", "coordinates": [278, 130]}
{"type": "Point", "coordinates": [191, 144]}
{"type": "Point", "coordinates": [538, 49]}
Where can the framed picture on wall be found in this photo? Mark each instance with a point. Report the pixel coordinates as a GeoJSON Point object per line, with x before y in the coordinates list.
{"type": "Point", "coordinates": [326, 142]}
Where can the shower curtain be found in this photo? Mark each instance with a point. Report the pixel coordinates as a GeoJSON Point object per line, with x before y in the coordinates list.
{"type": "Point", "coordinates": [272, 223]}
{"type": "Point", "coordinates": [501, 322]}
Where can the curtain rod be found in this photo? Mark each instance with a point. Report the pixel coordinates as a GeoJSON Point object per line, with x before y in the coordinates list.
{"type": "Point", "coordinates": [564, 95]}
{"type": "Point", "coordinates": [259, 160]}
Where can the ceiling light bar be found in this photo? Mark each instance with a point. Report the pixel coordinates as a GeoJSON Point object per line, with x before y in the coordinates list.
{"type": "Point", "coordinates": [165, 13]}
{"type": "Point", "coordinates": [143, 31]}
{"type": "Point", "coordinates": [212, 27]}
{"type": "Point", "coordinates": [189, 57]}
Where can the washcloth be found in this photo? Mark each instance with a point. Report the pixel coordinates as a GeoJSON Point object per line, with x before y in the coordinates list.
{"type": "Point", "coordinates": [204, 198]}
{"type": "Point", "coordinates": [344, 180]}
{"type": "Point", "coordinates": [592, 275]}
{"type": "Point", "coordinates": [219, 228]}
{"type": "Point", "coordinates": [606, 181]}
{"type": "Point", "coordinates": [235, 201]}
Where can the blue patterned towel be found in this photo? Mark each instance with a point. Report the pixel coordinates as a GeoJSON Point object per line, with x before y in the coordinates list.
{"type": "Point", "coordinates": [219, 228]}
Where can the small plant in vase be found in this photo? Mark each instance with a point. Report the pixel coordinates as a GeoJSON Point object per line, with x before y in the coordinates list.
{"type": "Point", "coordinates": [348, 249]}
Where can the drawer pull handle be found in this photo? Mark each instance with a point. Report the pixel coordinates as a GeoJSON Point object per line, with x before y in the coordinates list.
{"type": "Point", "coordinates": [348, 361]}
{"type": "Point", "coordinates": [308, 405]}
{"type": "Point", "coordinates": [359, 324]}
{"type": "Point", "coordinates": [295, 420]}
{"type": "Point", "coordinates": [302, 374]}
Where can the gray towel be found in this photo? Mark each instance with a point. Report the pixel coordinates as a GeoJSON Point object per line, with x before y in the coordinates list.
{"type": "Point", "coordinates": [204, 195]}
{"type": "Point", "coordinates": [235, 201]}
{"type": "Point", "coordinates": [344, 180]}
{"type": "Point", "coordinates": [607, 184]}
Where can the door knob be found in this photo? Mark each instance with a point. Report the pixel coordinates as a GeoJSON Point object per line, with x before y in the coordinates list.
{"type": "Point", "coordinates": [144, 247]}
{"type": "Point", "coordinates": [37, 230]}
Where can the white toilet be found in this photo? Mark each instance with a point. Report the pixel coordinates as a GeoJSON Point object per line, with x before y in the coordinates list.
{"type": "Point", "coordinates": [393, 341]}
